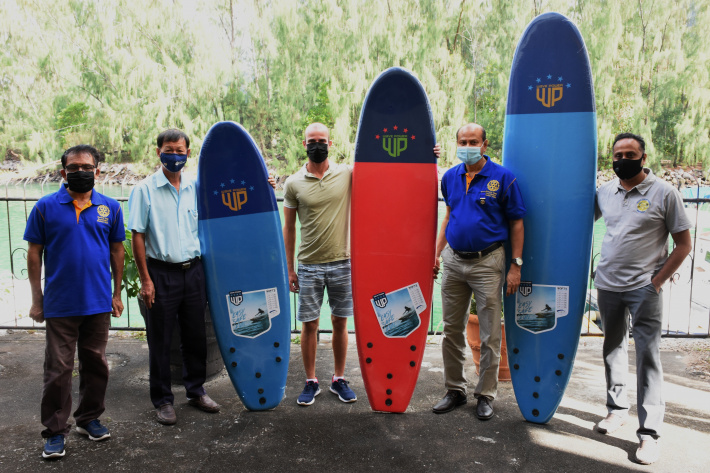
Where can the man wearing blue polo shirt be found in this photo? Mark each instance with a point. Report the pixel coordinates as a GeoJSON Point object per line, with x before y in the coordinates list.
{"type": "Point", "coordinates": [79, 233]}
{"type": "Point", "coordinates": [163, 219]}
{"type": "Point", "coordinates": [484, 209]}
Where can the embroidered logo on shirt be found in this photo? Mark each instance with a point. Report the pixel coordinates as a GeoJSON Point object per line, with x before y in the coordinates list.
{"type": "Point", "coordinates": [493, 187]}
{"type": "Point", "coordinates": [103, 212]}
{"type": "Point", "coordinates": [643, 206]}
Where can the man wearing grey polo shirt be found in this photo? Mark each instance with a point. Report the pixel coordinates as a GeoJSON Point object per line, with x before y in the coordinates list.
{"type": "Point", "coordinates": [163, 219]}
{"type": "Point", "coordinates": [639, 212]}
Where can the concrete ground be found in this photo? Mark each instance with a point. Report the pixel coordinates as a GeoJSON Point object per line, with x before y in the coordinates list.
{"type": "Point", "coordinates": [332, 436]}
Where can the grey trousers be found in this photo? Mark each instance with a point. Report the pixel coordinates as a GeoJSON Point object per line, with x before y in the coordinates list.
{"type": "Point", "coordinates": [644, 305]}
{"type": "Point", "coordinates": [484, 279]}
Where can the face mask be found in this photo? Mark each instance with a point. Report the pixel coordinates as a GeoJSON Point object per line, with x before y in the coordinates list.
{"type": "Point", "coordinates": [317, 152]}
{"type": "Point", "coordinates": [469, 156]}
{"type": "Point", "coordinates": [80, 181]}
{"type": "Point", "coordinates": [627, 168]}
{"type": "Point", "coordinates": [173, 162]}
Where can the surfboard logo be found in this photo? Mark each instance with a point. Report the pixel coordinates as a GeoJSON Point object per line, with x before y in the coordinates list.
{"type": "Point", "coordinates": [549, 94]}
{"type": "Point", "coordinates": [394, 141]}
{"type": "Point", "coordinates": [236, 297]}
{"type": "Point", "coordinates": [525, 288]}
{"type": "Point", "coordinates": [380, 300]}
{"type": "Point", "coordinates": [643, 206]}
{"type": "Point", "coordinates": [234, 198]}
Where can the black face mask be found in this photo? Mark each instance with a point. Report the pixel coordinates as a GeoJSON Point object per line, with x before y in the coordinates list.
{"type": "Point", "coordinates": [80, 181]}
{"type": "Point", "coordinates": [317, 152]}
{"type": "Point", "coordinates": [627, 168]}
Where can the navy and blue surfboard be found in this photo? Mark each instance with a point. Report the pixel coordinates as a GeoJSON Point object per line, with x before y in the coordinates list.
{"type": "Point", "coordinates": [550, 144]}
{"type": "Point", "coordinates": [245, 264]}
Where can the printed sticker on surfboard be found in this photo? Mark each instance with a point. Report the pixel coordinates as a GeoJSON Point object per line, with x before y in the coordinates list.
{"type": "Point", "coordinates": [550, 118]}
{"type": "Point", "coordinates": [251, 312]}
{"type": "Point", "coordinates": [393, 236]}
{"type": "Point", "coordinates": [538, 306]}
{"type": "Point", "coordinates": [398, 311]}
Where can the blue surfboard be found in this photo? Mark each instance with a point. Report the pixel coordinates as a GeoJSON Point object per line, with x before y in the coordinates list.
{"type": "Point", "coordinates": [550, 144]}
{"type": "Point", "coordinates": [245, 264]}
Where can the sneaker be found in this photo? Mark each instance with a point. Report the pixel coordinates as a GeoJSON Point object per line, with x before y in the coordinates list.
{"type": "Point", "coordinates": [611, 423]}
{"type": "Point", "coordinates": [54, 447]}
{"type": "Point", "coordinates": [648, 452]}
{"type": "Point", "coordinates": [341, 388]}
{"type": "Point", "coordinates": [94, 430]}
{"type": "Point", "coordinates": [308, 396]}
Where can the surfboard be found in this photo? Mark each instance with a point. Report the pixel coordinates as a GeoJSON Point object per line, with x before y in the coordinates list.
{"type": "Point", "coordinates": [393, 236]}
{"type": "Point", "coordinates": [245, 264]}
{"type": "Point", "coordinates": [550, 144]}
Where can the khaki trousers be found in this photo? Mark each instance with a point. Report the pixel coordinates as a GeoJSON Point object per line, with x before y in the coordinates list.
{"type": "Point", "coordinates": [484, 279]}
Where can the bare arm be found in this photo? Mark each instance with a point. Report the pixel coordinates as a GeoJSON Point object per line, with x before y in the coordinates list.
{"type": "Point", "coordinates": [147, 288]}
{"type": "Point", "coordinates": [682, 249]}
{"type": "Point", "coordinates": [34, 272]}
{"type": "Point", "coordinates": [441, 241]}
{"type": "Point", "coordinates": [117, 255]}
{"type": "Point", "coordinates": [517, 236]}
{"type": "Point", "coordinates": [290, 244]}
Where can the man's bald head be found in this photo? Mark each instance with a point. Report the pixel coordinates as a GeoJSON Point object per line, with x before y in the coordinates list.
{"type": "Point", "coordinates": [473, 127]}
{"type": "Point", "coordinates": [317, 128]}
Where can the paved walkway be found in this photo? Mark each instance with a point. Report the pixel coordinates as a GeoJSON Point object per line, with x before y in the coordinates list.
{"type": "Point", "coordinates": [332, 436]}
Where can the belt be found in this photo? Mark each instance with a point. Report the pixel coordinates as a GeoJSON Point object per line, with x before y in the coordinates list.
{"type": "Point", "coordinates": [477, 254]}
{"type": "Point", "coordinates": [184, 266]}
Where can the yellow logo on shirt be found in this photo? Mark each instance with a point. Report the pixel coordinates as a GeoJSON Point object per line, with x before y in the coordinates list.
{"type": "Point", "coordinates": [103, 212]}
{"type": "Point", "coordinates": [643, 205]}
{"type": "Point", "coordinates": [493, 185]}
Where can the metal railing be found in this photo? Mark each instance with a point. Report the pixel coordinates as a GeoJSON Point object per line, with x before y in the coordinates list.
{"type": "Point", "coordinates": [683, 287]}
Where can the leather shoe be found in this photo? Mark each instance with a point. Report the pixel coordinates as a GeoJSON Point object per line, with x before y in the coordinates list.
{"type": "Point", "coordinates": [204, 403]}
{"type": "Point", "coordinates": [451, 401]}
{"type": "Point", "coordinates": [484, 410]}
{"type": "Point", "coordinates": [166, 414]}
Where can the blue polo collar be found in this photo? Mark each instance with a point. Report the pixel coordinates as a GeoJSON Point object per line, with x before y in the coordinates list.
{"type": "Point", "coordinates": [95, 199]}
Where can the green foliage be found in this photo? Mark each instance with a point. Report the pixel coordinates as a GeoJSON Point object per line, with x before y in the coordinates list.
{"type": "Point", "coordinates": [131, 278]}
{"type": "Point", "coordinates": [115, 74]}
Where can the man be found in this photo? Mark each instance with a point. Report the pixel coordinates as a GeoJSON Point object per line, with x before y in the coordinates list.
{"type": "Point", "coordinates": [484, 208]}
{"type": "Point", "coordinates": [79, 232]}
{"type": "Point", "coordinates": [639, 212]}
{"type": "Point", "coordinates": [319, 194]}
{"type": "Point", "coordinates": [163, 221]}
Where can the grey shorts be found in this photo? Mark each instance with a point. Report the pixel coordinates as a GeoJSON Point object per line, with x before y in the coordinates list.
{"type": "Point", "coordinates": [313, 279]}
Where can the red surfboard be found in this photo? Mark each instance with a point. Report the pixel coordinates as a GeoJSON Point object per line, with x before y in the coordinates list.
{"type": "Point", "coordinates": [393, 236]}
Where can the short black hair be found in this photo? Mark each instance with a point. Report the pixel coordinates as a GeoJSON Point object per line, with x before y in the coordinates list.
{"type": "Point", "coordinates": [171, 135]}
{"type": "Point", "coordinates": [484, 132]}
{"type": "Point", "coordinates": [624, 136]}
{"type": "Point", "coordinates": [79, 149]}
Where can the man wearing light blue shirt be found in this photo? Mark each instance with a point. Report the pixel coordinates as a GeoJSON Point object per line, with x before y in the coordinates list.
{"type": "Point", "coordinates": [163, 219]}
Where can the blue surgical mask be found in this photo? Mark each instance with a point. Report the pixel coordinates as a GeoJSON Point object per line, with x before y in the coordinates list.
{"type": "Point", "coordinates": [468, 155]}
{"type": "Point", "coordinates": [173, 162]}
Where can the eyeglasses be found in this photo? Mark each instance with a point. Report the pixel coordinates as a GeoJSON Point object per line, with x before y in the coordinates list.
{"type": "Point", "coordinates": [83, 167]}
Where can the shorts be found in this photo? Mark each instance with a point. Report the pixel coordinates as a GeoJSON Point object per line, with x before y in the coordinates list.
{"type": "Point", "coordinates": [313, 279]}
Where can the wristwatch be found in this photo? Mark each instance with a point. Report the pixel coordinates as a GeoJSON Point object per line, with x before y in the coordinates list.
{"type": "Point", "coordinates": [518, 261]}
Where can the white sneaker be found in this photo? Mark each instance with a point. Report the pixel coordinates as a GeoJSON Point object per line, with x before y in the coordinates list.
{"type": "Point", "coordinates": [611, 423]}
{"type": "Point", "coordinates": [648, 452]}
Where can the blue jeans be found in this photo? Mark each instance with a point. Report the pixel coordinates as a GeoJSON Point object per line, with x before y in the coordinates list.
{"type": "Point", "coordinates": [644, 305]}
